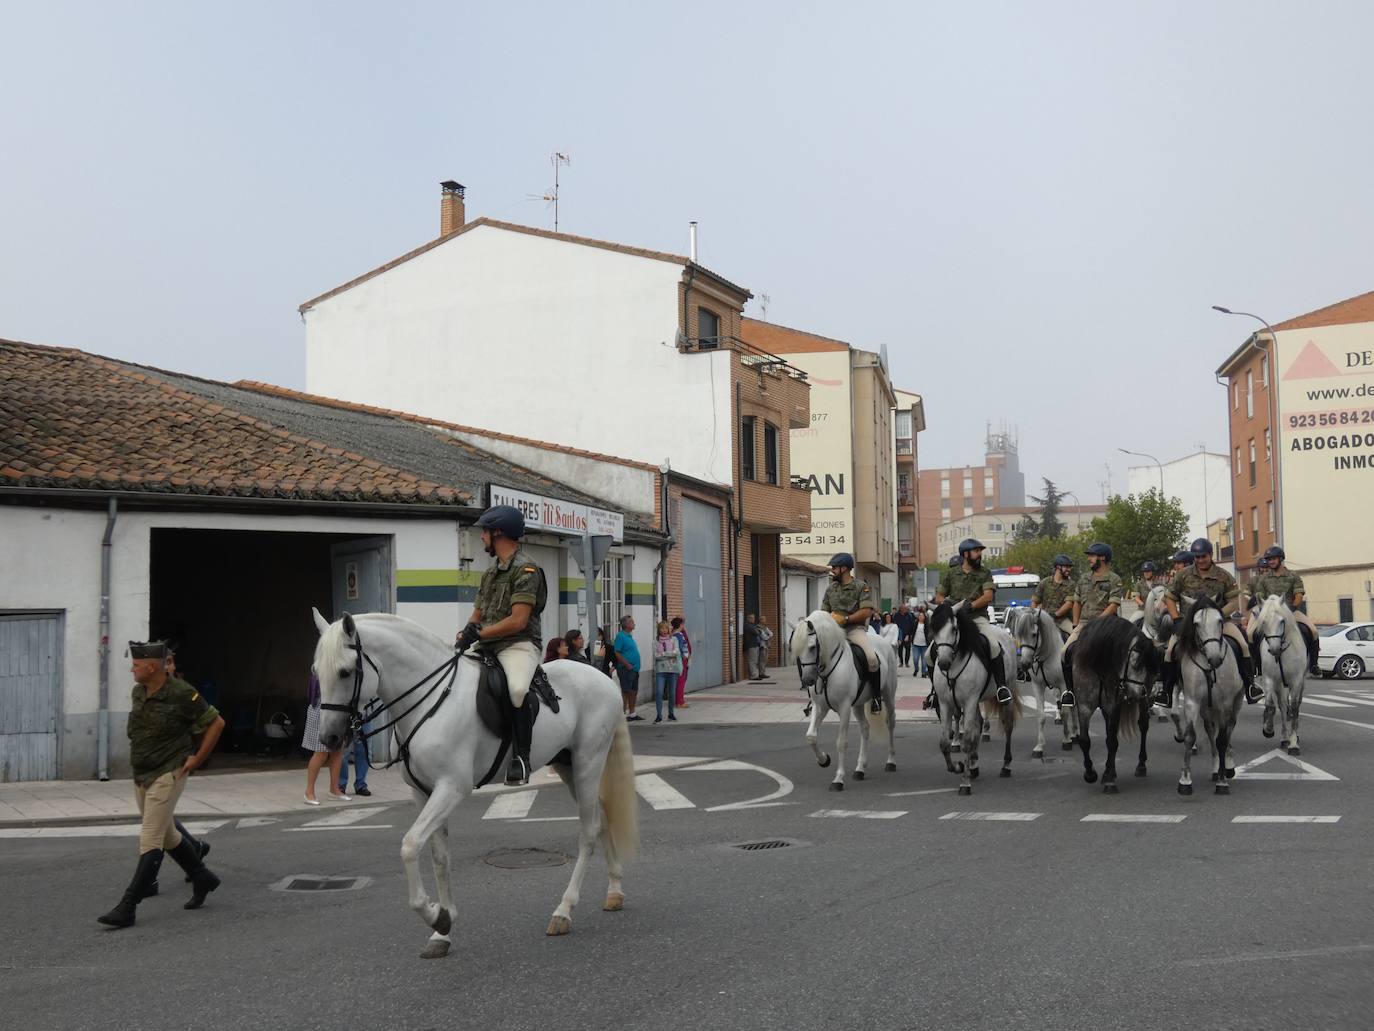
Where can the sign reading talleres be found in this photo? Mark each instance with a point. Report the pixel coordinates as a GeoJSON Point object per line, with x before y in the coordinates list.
{"type": "Point", "coordinates": [1326, 442]}
{"type": "Point", "coordinates": [552, 515]}
{"type": "Point", "coordinates": [822, 459]}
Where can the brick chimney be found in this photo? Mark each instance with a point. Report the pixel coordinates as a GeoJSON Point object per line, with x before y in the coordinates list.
{"type": "Point", "coordinates": [451, 213]}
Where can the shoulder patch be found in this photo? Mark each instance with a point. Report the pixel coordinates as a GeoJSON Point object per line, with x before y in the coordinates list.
{"type": "Point", "coordinates": [530, 569]}
{"type": "Point", "coordinates": [195, 695]}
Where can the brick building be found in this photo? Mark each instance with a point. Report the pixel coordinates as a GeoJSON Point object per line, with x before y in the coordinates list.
{"type": "Point", "coordinates": [954, 493]}
{"type": "Point", "coordinates": [908, 423]}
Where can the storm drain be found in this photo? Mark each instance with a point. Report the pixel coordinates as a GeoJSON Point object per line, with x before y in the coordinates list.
{"type": "Point", "coordinates": [760, 846]}
{"type": "Point", "coordinates": [524, 858]}
{"type": "Point", "coordinates": [316, 882]}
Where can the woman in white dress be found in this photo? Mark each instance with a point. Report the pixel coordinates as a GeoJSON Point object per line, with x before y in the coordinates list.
{"type": "Point", "coordinates": [310, 741]}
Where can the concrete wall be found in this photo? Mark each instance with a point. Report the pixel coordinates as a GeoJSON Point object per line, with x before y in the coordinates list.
{"type": "Point", "coordinates": [801, 595]}
{"type": "Point", "coordinates": [1201, 483]}
{"type": "Point", "coordinates": [1325, 589]}
{"type": "Point", "coordinates": [533, 337]}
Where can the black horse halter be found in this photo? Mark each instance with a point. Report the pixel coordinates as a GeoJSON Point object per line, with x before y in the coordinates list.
{"type": "Point", "coordinates": [1037, 663]}
{"type": "Point", "coordinates": [821, 678]}
{"type": "Point", "coordinates": [1126, 668]}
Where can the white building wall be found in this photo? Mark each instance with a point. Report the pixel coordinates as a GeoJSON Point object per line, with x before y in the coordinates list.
{"type": "Point", "coordinates": [1200, 482]}
{"type": "Point", "coordinates": [533, 337]}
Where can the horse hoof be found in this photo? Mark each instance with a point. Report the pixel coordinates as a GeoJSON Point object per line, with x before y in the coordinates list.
{"type": "Point", "coordinates": [973, 773]}
{"type": "Point", "coordinates": [1230, 772]}
{"type": "Point", "coordinates": [1267, 733]}
{"type": "Point", "coordinates": [965, 789]}
{"type": "Point", "coordinates": [614, 903]}
{"type": "Point", "coordinates": [443, 923]}
{"type": "Point", "coordinates": [1004, 772]}
{"type": "Point", "coordinates": [1037, 753]}
{"type": "Point", "coordinates": [858, 774]}
{"type": "Point", "coordinates": [434, 950]}
{"type": "Point", "coordinates": [1223, 789]}
{"type": "Point", "coordinates": [823, 761]}
{"type": "Point", "coordinates": [835, 785]}
{"type": "Point", "coordinates": [1185, 789]}
{"type": "Point", "coordinates": [890, 766]}
{"type": "Point", "coordinates": [1195, 749]}
{"type": "Point", "coordinates": [1067, 746]}
{"type": "Point", "coordinates": [558, 925]}
{"type": "Point", "coordinates": [1140, 770]}
{"type": "Point", "coordinates": [1216, 777]}
{"type": "Point", "coordinates": [1110, 789]}
{"type": "Point", "coordinates": [1295, 750]}
{"type": "Point", "coordinates": [1090, 776]}
{"type": "Point", "coordinates": [1179, 740]}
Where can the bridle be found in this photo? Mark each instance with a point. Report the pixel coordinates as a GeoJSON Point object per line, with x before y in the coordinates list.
{"type": "Point", "coordinates": [819, 678]}
{"type": "Point", "coordinates": [1037, 663]}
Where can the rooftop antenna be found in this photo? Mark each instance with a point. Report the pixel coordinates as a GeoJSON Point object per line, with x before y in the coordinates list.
{"type": "Point", "coordinates": [558, 159]}
{"type": "Point", "coordinates": [764, 302]}
{"type": "Point", "coordinates": [1106, 484]}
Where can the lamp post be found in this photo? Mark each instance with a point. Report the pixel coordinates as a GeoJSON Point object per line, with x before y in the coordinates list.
{"type": "Point", "coordinates": [1152, 458]}
{"type": "Point", "coordinates": [1275, 475]}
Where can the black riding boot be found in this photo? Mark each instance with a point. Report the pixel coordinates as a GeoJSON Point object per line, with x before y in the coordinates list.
{"type": "Point", "coordinates": [1253, 691]}
{"type": "Point", "coordinates": [201, 845]}
{"type": "Point", "coordinates": [1066, 698]}
{"type": "Point", "coordinates": [188, 856]}
{"type": "Point", "coordinates": [875, 682]}
{"type": "Point", "coordinates": [518, 772]}
{"type": "Point", "coordinates": [1313, 649]}
{"type": "Point", "coordinates": [999, 674]}
{"type": "Point", "coordinates": [123, 914]}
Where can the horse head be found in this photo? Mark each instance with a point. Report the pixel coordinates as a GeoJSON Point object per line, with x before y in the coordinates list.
{"type": "Point", "coordinates": [1142, 666]}
{"type": "Point", "coordinates": [1028, 631]}
{"type": "Point", "coordinates": [944, 635]}
{"type": "Point", "coordinates": [814, 643]}
{"type": "Point", "coordinates": [1157, 622]}
{"type": "Point", "coordinates": [1201, 633]}
{"type": "Point", "coordinates": [342, 673]}
{"type": "Point", "coordinates": [1275, 623]}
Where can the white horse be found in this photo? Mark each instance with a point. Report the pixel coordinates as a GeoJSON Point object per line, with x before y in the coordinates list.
{"type": "Point", "coordinates": [831, 678]}
{"type": "Point", "coordinates": [963, 679]}
{"type": "Point", "coordinates": [1283, 666]}
{"type": "Point", "coordinates": [1153, 617]}
{"type": "Point", "coordinates": [1040, 657]}
{"type": "Point", "coordinates": [427, 694]}
{"type": "Point", "coordinates": [1210, 686]}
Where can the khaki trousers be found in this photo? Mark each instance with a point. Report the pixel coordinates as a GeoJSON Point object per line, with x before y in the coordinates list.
{"type": "Point", "coordinates": [1228, 630]}
{"type": "Point", "coordinates": [519, 661]}
{"type": "Point", "coordinates": [157, 805]}
{"type": "Point", "coordinates": [859, 635]}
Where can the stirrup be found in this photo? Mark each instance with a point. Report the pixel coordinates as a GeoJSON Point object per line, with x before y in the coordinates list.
{"type": "Point", "coordinates": [1253, 693]}
{"type": "Point", "coordinates": [1066, 698]}
{"type": "Point", "coordinates": [518, 772]}
{"type": "Point", "coordinates": [1001, 691]}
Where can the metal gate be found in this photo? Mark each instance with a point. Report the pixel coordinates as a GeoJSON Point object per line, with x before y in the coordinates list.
{"type": "Point", "coordinates": [701, 600]}
{"type": "Point", "coordinates": [30, 695]}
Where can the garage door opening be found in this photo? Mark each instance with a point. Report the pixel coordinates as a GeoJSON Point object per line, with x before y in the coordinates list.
{"type": "Point", "coordinates": [237, 603]}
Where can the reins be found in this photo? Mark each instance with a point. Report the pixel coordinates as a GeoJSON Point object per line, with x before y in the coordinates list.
{"type": "Point", "coordinates": [822, 678]}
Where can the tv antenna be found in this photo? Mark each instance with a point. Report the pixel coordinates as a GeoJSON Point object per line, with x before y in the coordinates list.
{"type": "Point", "coordinates": [764, 302]}
{"type": "Point", "coordinates": [558, 158]}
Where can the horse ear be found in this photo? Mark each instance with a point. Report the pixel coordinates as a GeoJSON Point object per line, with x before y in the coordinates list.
{"type": "Point", "coordinates": [349, 628]}
{"type": "Point", "coordinates": [321, 624]}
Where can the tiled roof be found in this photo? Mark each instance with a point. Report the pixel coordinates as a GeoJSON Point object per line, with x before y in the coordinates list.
{"type": "Point", "coordinates": [769, 336]}
{"type": "Point", "coordinates": [802, 566]}
{"type": "Point", "coordinates": [585, 241]}
{"type": "Point", "coordinates": [77, 420]}
{"type": "Point", "coordinates": [1342, 313]}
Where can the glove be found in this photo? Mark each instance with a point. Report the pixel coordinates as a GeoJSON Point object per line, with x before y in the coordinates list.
{"type": "Point", "coordinates": [469, 635]}
{"type": "Point", "coordinates": [840, 618]}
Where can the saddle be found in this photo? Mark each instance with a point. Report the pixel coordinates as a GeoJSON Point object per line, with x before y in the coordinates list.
{"type": "Point", "coordinates": [866, 676]}
{"type": "Point", "coordinates": [496, 712]}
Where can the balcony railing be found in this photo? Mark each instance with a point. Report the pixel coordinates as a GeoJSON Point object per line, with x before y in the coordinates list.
{"type": "Point", "coordinates": [906, 548]}
{"type": "Point", "coordinates": [906, 498]}
{"type": "Point", "coordinates": [903, 445]}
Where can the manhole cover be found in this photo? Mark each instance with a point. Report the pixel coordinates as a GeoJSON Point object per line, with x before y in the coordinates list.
{"type": "Point", "coordinates": [759, 846]}
{"type": "Point", "coordinates": [318, 882]}
{"type": "Point", "coordinates": [524, 858]}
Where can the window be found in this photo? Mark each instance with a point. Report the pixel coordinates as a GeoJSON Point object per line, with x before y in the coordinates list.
{"type": "Point", "coordinates": [771, 458]}
{"type": "Point", "coordinates": [1254, 531]}
{"type": "Point", "coordinates": [1264, 370]}
{"type": "Point", "coordinates": [1235, 395]}
{"type": "Point", "coordinates": [944, 507]}
{"type": "Point", "coordinates": [708, 329]}
{"type": "Point", "coordinates": [987, 484]}
{"type": "Point", "coordinates": [1240, 527]}
{"type": "Point", "coordinates": [746, 448]}
{"type": "Point", "coordinates": [1252, 462]}
{"type": "Point", "coordinates": [904, 426]}
{"type": "Point", "coordinates": [612, 592]}
{"type": "Point", "coordinates": [968, 485]}
{"type": "Point", "coordinates": [994, 527]}
{"type": "Point", "coordinates": [1346, 609]}
{"type": "Point", "coordinates": [944, 486]}
{"type": "Point", "coordinates": [987, 503]}
{"type": "Point", "coordinates": [1237, 461]}
{"type": "Point", "coordinates": [1249, 394]}
{"type": "Point", "coordinates": [1268, 445]}
{"type": "Point", "coordinates": [1269, 507]}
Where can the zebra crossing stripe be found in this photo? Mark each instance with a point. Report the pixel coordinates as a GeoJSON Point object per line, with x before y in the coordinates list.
{"type": "Point", "coordinates": [660, 794]}
{"type": "Point", "coordinates": [860, 814]}
{"type": "Point", "coordinates": [1134, 818]}
{"type": "Point", "coordinates": [1339, 699]}
{"type": "Point", "coordinates": [1013, 817]}
{"type": "Point", "coordinates": [343, 818]}
{"type": "Point", "coordinates": [1285, 819]}
{"type": "Point", "coordinates": [1309, 700]}
{"type": "Point", "coordinates": [100, 830]}
{"type": "Point", "coordinates": [513, 806]}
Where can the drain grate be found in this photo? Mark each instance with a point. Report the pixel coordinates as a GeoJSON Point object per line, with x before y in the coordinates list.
{"type": "Point", "coordinates": [317, 882]}
{"type": "Point", "coordinates": [759, 846]}
{"type": "Point", "coordinates": [524, 859]}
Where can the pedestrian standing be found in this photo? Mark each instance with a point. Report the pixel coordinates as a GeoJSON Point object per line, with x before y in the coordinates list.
{"type": "Point", "coordinates": [557, 648]}
{"type": "Point", "coordinates": [357, 755]}
{"type": "Point", "coordinates": [577, 646]}
{"type": "Point", "coordinates": [166, 717]}
{"type": "Point", "coordinates": [626, 654]}
{"type": "Point", "coordinates": [765, 639]}
{"type": "Point", "coordinates": [918, 644]}
{"type": "Point", "coordinates": [680, 632]}
{"type": "Point", "coordinates": [890, 632]}
{"type": "Point", "coordinates": [603, 655]}
{"type": "Point", "coordinates": [310, 741]}
{"type": "Point", "coordinates": [906, 626]}
{"type": "Point", "coordinates": [667, 666]}
{"type": "Point", "coordinates": [751, 647]}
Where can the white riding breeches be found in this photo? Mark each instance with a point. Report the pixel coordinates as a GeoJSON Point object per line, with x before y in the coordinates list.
{"type": "Point", "coordinates": [859, 635]}
{"type": "Point", "coordinates": [519, 661]}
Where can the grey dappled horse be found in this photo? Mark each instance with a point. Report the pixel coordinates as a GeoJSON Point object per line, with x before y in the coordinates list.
{"type": "Point", "coordinates": [1114, 666]}
{"type": "Point", "coordinates": [829, 675]}
{"type": "Point", "coordinates": [1283, 666]}
{"type": "Point", "coordinates": [448, 749]}
{"type": "Point", "coordinates": [1040, 657]}
{"type": "Point", "coordinates": [961, 674]}
{"type": "Point", "coordinates": [1210, 687]}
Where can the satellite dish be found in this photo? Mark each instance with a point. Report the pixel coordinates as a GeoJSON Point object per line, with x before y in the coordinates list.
{"type": "Point", "coordinates": [882, 358]}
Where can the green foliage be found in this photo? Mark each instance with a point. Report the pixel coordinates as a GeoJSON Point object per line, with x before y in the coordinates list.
{"type": "Point", "coordinates": [1049, 502]}
{"type": "Point", "coordinates": [1026, 529]}
{"type": "Point", "coordinates": [1037, 554]}
{"type": "Point", "coordinates": [1140, 528]}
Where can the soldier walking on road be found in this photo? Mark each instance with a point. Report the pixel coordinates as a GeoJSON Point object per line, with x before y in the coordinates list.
{"type": "Point", "coordinates": [166, 716]}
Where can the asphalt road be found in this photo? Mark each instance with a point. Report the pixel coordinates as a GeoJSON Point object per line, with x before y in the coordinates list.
{"type": "Point", "coordinates": [912, 920]}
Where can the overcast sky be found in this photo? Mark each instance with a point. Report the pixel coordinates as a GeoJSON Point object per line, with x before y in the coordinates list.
{"type": "Point", "coordinates": [1033, 205]}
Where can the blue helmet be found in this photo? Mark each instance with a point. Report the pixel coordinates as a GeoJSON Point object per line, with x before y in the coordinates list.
{"type": "Point", "coordinates": [1274, 551]}
{"type": "Point", "coordinates": [1098, 548]}
{"type": "Point", "coordinates": [1063, 560]}
{"type": "Point", "coordinates": [955, 560]}
{"type": "Point", "coordinates": [970, 544]}
{"type": "Point", "coordinates": [504, 519]}
{"type": "Point", "coordinates": [1201, 546]}
{"type": "Point", "coordinates": [843, 559]}
{"type": "Point", "coordinates": [1182, 558]}
{"type": "Point", "coordinates": [1148, 567]}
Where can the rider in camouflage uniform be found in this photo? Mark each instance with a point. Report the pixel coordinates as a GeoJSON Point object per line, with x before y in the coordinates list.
{"type": "Point", "coordinates": [850, 603]}
{"type": "Point", "coordinates": [1056, 595]}
{"type": "Point", "coordinates": [1098, 593]}
{"type": "Point", "coordinates": [972, 584]}
{"type": "Point", "coordinates": [1149, 580]}
{"type": "Point", "coordinates": [1277, 579]}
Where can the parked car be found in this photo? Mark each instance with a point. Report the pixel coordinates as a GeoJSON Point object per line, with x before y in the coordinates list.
{"type": "Point", "coordinates": [1347, 650]}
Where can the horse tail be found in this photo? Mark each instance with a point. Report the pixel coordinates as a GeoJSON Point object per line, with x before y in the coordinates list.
{"type": "Point", "coordinates": [618, 794]}
{"type": "Point", "coordinates": [1006, 715]}
{"type": "Point", "coordinates": [1128, 725]}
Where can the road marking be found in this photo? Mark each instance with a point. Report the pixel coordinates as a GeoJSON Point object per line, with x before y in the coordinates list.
{"type": "Point", "coordinates": [784, 788]}
{"type": "Point", "coordinates": [342, 818]}
{"type": "Point", "coordinates": [1337, 719]}
{"type": "Point", "coordinates": [1285, 819]}
{"type": "Point", "coordinates": [1309, 772]}
{"type": "Point", "coordinates": [1250, 957]}
{"type": "Point", "coordinates": [514, 806]}
{"type": "Point", "coordinates": [1339, 699]}
{"type": "Point", "coordinates": [927, 791]}
{"type": "Point", "coordinates": [861, 814]}
{"type": "Point", "coordinates": [660, 794]}
{"type": "Point", "coordinates": [343, 827]}
{"type": "Point", "coordinates": [256, 821]}
{"type": "Point", "coordinates": [1018, 817]}
{"type": "Point", "coordinates": [1133, 818]}
{"type": "Point", "coordinates": [101, 830]}
{"type": "Point", "coordinates": [1325, 705]}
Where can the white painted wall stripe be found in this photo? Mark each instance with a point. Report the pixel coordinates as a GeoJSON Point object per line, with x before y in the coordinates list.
{"type": "Point", "coordinates": [660, 794]}
{"type": "Point", "coordinates": [860, 814]}
{"type": "Point", "coordinates": [1285, 819]}
{"type": "Point", "coordinates": [1016, 817]}
{"type": "Point", "coordinates": [1134, 818]}
{"type": "Point", "coordinates": [513, 806]}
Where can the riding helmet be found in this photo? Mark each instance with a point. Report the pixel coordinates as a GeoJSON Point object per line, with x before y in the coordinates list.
{"type": "Point", "coordinates": [1062, 560]}
{"type": "Point", "coordinates": [955, 560]}
{"type": "Point", "coordinates": [1274, 551]}
{"type": "Point", "coordinates": [1098, 548]}
{"type": "Point", "coordinates": [970, 544]}
{"type": "Point", "coordinates": [1183, 558]}
{"type": "Point", "coordinates": [1201, 546]}
{"type": "Point", "coordinates": [504, 519]}
{"type": "Point", "coordinates": [844, 559]}
{"type": "Point", "coordinates": [1148, 567]}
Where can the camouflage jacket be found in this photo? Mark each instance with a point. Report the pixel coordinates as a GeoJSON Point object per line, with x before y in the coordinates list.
{"type": "Point", "coordinates": [518, 582]}
{"type": "Point", "coordinates": [162, 727]}
{"type": "Point", "coordinates": [957, 585]}
{"type": "Point", "coordinates": [1216, 583]}
{"type": "Point", "coordinates": [1095, 593]}
{"type": "Point", "coordinates": [1283, 583]}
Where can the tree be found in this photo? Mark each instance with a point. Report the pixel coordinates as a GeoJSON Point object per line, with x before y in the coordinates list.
{"type": "Point", "coordinates": [1037, 554]}
{"type": "Point", "coordinates": [1049, 502]}
{"type": "Point", "coordinates": [1026, 529]}
{"type": "Point", "coordinates": [1148, 527]}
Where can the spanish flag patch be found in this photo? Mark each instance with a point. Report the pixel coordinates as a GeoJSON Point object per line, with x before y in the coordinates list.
{"type": "Point", "coordinates": [531, 569]}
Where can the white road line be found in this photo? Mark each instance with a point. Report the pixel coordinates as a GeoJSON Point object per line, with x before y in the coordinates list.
{"type": "Point", "coordinates": [1309, 772]}
{"type": "Point", "coordinates": [783, 789]}
{"type": "Point", "coordinates": [1251, 957]}
{"type": "Point", "coordinates": [861, 814]}
{"type": "Point", "coordinates": [1285, 819]}
{"type": "Point", "coordinates": [1133, 818]}
{"type": "Point", "coordinates": [1337, 719]}
{"type": "Point", "coordinates": [514, 806]}
{"type": "Point", "coordinates": [359, 827]}
{"type": "Point", "coordinates": [1339, 699]}
{"type": "Point", "coordinates": [1018, 817]}
{"type": "Point", "coordinates": [548, 819]}
{"type": "Point", "coordinates": [256, 821]}
{"type": "Point", "coordinates": [660, 794]}
{"type": "Point", "coordinates": [102, 830]}
{"type": "Point", "coordinates": [343, 817]}
{"type": "Point", "coordinates": [927, 791]}
{"type": "Point", "coordinates": [1309, 700]}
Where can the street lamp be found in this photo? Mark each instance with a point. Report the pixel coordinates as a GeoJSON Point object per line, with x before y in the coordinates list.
{"type": "Point", "coordinates": [1275, 472]}
{"type": "Point", "coordinates": [1152, 458]}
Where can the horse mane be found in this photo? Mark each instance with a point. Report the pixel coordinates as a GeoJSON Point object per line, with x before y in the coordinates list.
{"type": "Point", "coordinates": [1187, 633]}
{"type": "Point", "coordinates": [1105, 640]}
{"type": "Point", "coordinates": [334, 649]}
{"type": "Point", "coordinates": [1274, 607]}
{"type": "Point", "coordinates": [971, 639]}
{"type": "Point", "coordinates": [828, 634]}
